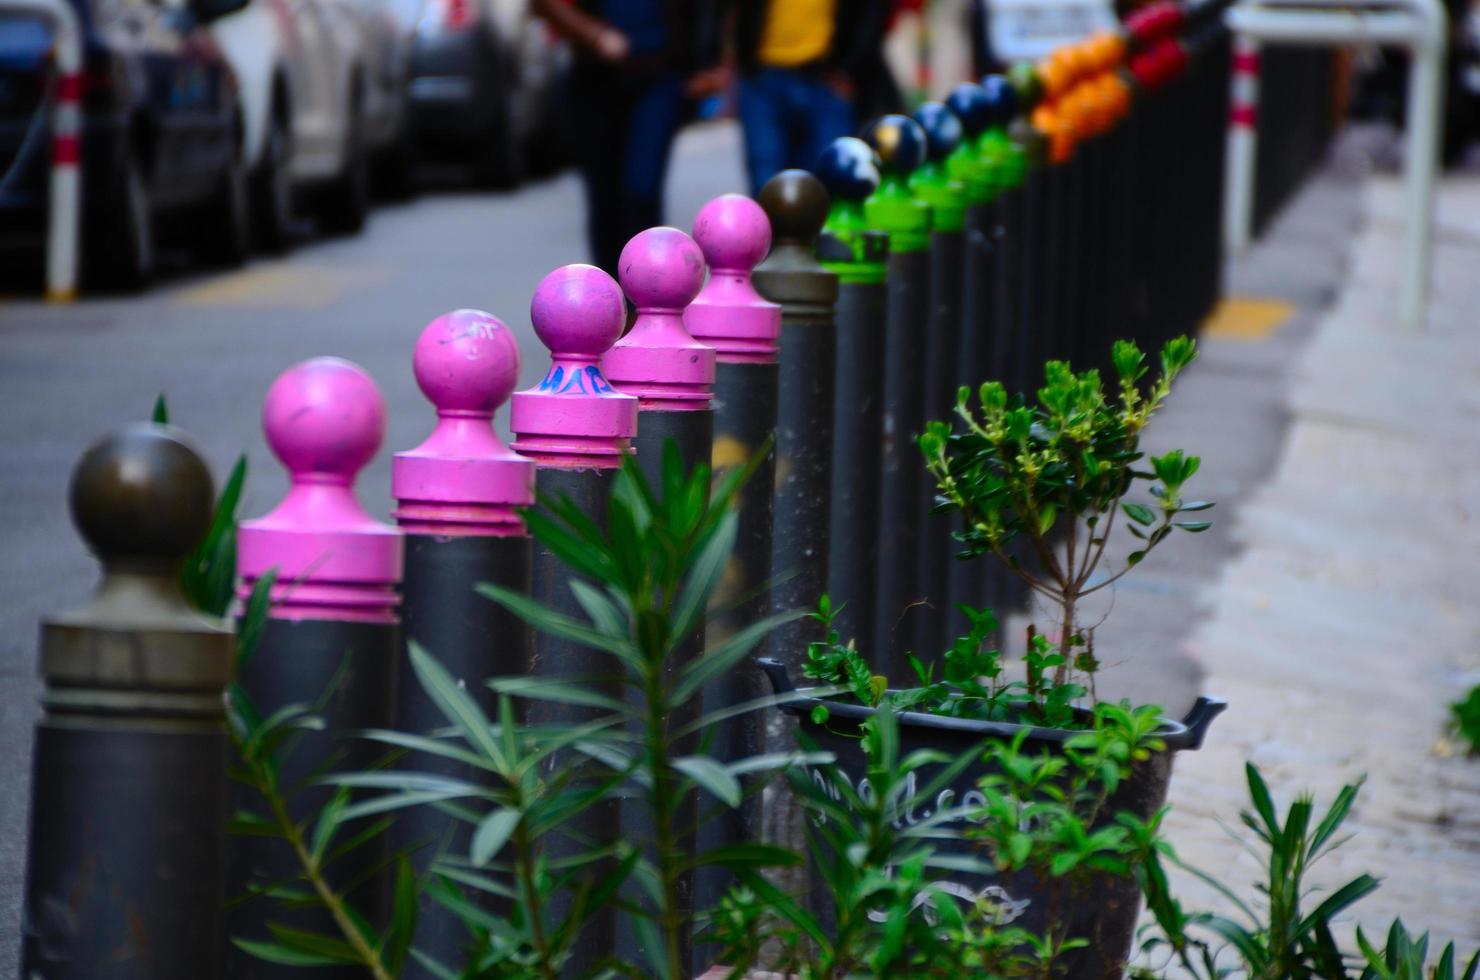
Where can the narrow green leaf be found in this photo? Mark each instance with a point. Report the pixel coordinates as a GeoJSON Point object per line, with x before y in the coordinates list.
{"type": "Point", "coordinates": [161, 414]}
{"type": "Point", "coordinates": [456, 705]}
{"type": "Point", "coordinates": [1139, 513]}
{"type": "Point", "coordinates": [705, 575]}
{"type": "Point", "coordinates": [711, 776]}
{"type": "Point", "coordinates": [492, 834]}
{"type": "Point", "coordinates": [282, 955]}
{"type": "Point", "coordinates": [722, 658]}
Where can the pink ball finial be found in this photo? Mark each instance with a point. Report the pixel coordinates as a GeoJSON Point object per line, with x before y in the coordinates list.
{"type": "Point", "coordinates": [578, 312]}
{"type": "Point", "coordinates": [466, 362]}
{"type": "Point", "coordinates": [668, 370]}
{"type": "Point", "coordinates": [324, 418]}
{"type": "Point", "coordinates": [463, 480]}
{"type": "Point", "coordinates": [574, 418]}
{"type": "Point", "coordinates": [661, 269]}
{"type": "Point", "coordinates": [733, 232]}
{"type": "Point", "coordinates": [729, 315]}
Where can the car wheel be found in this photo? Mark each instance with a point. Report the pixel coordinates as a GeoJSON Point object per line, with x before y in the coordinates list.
{"type": "Point", "coordinates": [346, 203]}
{"type": "Point", "coordinates": [272, 190]}
{"type": "Point", "coordinates": [497, 157]}
{"type": "Point", "coordinates": [225, 233]}
{"type": "Point", "coordinates": [120, 249]}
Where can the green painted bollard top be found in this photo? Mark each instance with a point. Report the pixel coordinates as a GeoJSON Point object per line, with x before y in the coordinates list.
{"type": "Point", "coordinates": [933, 182]}
{"type": "Point", "coordinates": [968, 103]}
{"type": "Point", "coordinates": [849, 245]}
{"type": "Point", "coordinates": [900, 143]}
{"type": "Point", "coordinates": [1032, 145]}
{"type": "Point", "coordinates": [1001, 158]}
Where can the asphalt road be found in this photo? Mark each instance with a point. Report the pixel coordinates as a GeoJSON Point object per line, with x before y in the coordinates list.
{"type": "Point", "coordinates": [213, 344]}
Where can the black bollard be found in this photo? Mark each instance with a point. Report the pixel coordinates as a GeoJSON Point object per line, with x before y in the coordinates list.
{"type": "Point", "coordinates": [457, 495]}
{"type": "Point", "coordinates": [947, 198]}
{"type": "Point", "coordinates": [577, 428]}
{"type": "Point", "coordinates": [129, 799]}
{"type": "Point", "coordinates": [974, 583]}
{"type": "Point", "coordinates": [858, 253]}
{"type": "Point", "coordinates": [797, 204]}
{"type": "Point", "coordinates": [894, 207]}
{"type": "Point", "coordinates": [730, 316]}
{"type": "Point", "coordinates": [331, 639]}
{"type": "Point", "coordinates": [672, 376]}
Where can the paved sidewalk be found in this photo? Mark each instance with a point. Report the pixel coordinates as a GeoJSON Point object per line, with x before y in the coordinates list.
{"type": "Point", "coordinates": [1348, 621]}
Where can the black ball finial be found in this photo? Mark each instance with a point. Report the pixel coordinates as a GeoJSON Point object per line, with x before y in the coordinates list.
{"type": "Point", "coordinates": [969, 103]}
{"type": "Point", "coordinates": [142, 494]}
{"type": "Point", "coordinates": [848, 168]}
{"type": "Point", "coordinates": [1002, 100]}
{"type": "Point", "coordinates": [797, 203]}
{"type": "Point", "coordinates": [943, 130]}
{"type": "Point", "coordinates": [900, 142]}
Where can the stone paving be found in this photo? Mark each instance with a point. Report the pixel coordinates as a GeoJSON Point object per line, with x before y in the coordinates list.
{"type": "Point", "coordinates": [1348, 620]}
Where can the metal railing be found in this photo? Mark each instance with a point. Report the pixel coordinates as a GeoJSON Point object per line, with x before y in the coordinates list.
{"type": "Point", "coordinates": [1420, 27]}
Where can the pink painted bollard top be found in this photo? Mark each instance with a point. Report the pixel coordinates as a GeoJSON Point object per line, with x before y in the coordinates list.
{"type": "Point", "coordinates": [729, 315]}
{"type": "Point", "coordinates": [463, 481]}
{"type": "Point", "coordinates": [662, 271]}
{"type": "Point", "coordinates": [324, 419]}
{"type": "Point", "coordinates": [574, 418]}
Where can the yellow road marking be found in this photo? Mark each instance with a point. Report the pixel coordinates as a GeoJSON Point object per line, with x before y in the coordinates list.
{"type": "Point", "coordinates": [1247, 318]}
{"type": "Point", "coordinates": [295, 286]}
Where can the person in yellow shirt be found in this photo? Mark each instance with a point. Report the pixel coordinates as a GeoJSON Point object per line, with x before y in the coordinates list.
{"type": "Point", "coordinates": [806, 67]}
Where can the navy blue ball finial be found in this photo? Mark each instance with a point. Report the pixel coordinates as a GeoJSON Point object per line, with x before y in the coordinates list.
{"type": "Point", "coordinates": [848, 168]}
{"type": "Point", "coordinates": [969, 103]}
{"type": "Point", "coordinates": [943, 130]}
{"type": "Point", "coordinates": [900, 142]}
{"type": "Point", "coordinates": [1002, 100]}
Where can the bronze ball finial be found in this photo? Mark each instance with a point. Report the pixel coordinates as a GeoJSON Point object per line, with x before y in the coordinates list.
{"type": "Point", "coordinates": [797, 203]}
{"type": "Point", "coordinates": [142, 494]}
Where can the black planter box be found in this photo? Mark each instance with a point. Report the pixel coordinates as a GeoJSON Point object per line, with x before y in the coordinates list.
{"type": "Point", "coordinates": [1104, 911]}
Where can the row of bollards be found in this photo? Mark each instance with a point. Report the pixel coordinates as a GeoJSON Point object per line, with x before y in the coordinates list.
{"type": "Point", "coordinates": [1034, 216]}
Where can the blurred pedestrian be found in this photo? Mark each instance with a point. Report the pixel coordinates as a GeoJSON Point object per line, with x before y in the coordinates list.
{"type": "Point", "coordinates": [639, 64]}
{"type": "Point", "coordinates": [810, 70]}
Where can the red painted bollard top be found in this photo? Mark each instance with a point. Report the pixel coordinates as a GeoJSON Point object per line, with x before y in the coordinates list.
{"type": "Point", "coordinates": [574, 418]}
{"type": "Point", "coordinates": [661, 271]}
{"type": "Point", "coordinates": [324, 420]}
{"type": "Point", "coordinates": [729, 315]}
{"type": "Point", "coordinates": [463, 480]}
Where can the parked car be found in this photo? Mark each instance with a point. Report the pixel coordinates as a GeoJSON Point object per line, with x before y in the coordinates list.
{"type": "Point", "coordinates": [317, 106]}
{"type": "Point", "coordinates": [161, 125]}
{"type": "Point", "coordinates": [483, 84]}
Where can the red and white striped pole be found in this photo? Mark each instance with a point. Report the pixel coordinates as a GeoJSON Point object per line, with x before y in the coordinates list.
{"type": "Point", "coordinates": [1243, 132]}
{"type": "Point", "coordinates": [65, 213]}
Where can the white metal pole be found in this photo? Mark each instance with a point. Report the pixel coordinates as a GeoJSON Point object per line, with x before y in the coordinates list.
{"type": "Point", "coordinates": [66, 160]}
{"type": "Point", "coordinates": [1243, 135]}
{"type": "Point", "coordinates": [1425, 116]}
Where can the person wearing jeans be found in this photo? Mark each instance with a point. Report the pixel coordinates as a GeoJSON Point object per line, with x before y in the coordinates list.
{"type": "Point", "coordinates": [809, 70]}
{"type": "Point", "coordinates": [639, 63]}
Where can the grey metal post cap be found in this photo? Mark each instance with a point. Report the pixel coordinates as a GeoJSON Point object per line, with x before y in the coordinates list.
{"type": "Point", "coordinates": [142, 498]}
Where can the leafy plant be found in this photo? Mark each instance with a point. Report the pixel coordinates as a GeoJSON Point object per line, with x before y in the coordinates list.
{"type": "Point", "coordinates": [209, 573]}
{"type": "Point", "coordinates": [1464, 719]}
{"type": "Point", "coordinates": [1406, 958]}
{"type": "Point", "coordinates": [1279, 938]}
{"type": "Point", "coordinates": [972, 682]}
{"type": "Point", "coordinates": [881, 911]}
{"type": "Point", "coordinates": [320, 847]}
{"type": "Point", "coordinates": [1045, 481]}
{"type": "Point", "coordinates": [645, 581]}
